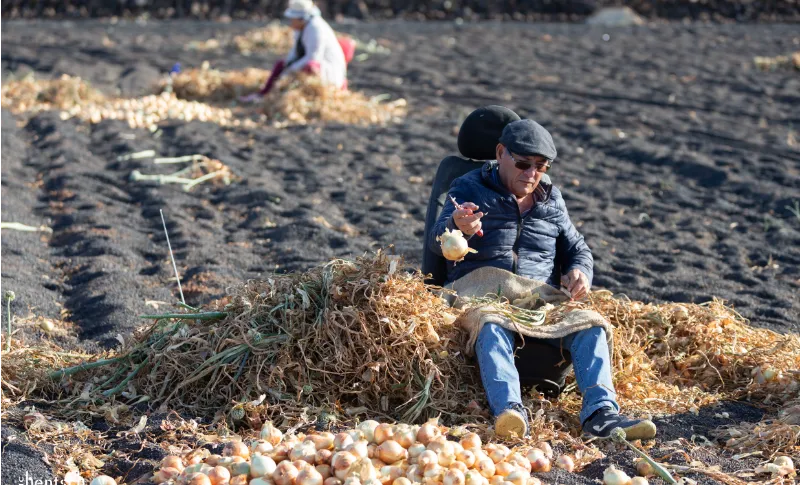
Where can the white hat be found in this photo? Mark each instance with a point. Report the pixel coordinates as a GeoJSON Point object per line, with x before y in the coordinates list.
{"type": "Point", "coordinates": [301, 9]}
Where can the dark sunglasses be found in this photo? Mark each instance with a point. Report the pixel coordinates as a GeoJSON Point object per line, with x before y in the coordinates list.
{"type": "Point", "coordinates": [540, 167]}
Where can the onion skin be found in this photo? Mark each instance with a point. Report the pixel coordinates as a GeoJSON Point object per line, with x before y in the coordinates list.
{"type": "Point", "coordinates": [486, 468]}
{"type": "Point", "coordinates": [341, 463]}
{"type": "Point", "coordinates": [271, 434]}
{"type": "Point", "coordinates": [457, 465]}
{"type": "Point", "coordinates": [323, 457]}
{"type": "Point", "coordinates": [165, 474]}
{"type": "Point", "coordinates": [466, 457]}
{"type": "Point", "coordinates": [546, 448]}
{"type": "Point", "coordinates": [454, 477]}
{"type": "Point", "coordinates": [401, 481]}
{"type": "Point", "coordinates": [639, 481]}
{"type": "Point", "coordinates": [454, 245]}
{"type": "Point", "coordinates": [383, 432]}
{"type": "Point", "coordinates": [367, 428]}
{"type": "Point", "coordinates": [342, 441]}
{"type": "Point", "coordinates": [784, 461]}
{"type": "Point", "coordinates": [415, 450]}
{"type": "Point", "coordinates": [172, 462]}
{"type": "Point", "coordinates": [261, 466]}
{"type": "Point", "coordinates": [332, 481]}
{"type": "Point", "coordinates": [427, 457]}
{"type": "Point", "coordinates": [518, 477]}
{"type": "Point", "coordinates": [236, 448]}
{"type": "Point", "coordinates": [238, 480]}
{"type": "Point", "coordinates": [503, 469]}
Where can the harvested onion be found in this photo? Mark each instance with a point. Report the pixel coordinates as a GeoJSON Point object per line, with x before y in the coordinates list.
{"type": "Point", "coordinates": [401, 481]}
{"type": "Point", "coordinates": [565, 462]}
{"type": "Point", "coordinates": [454, 477]}
{"type": "Point", "coordinates": [539, 462]}
{"type": "Point", "coordinates": [285, 473]}
{"type": "Point", "coordinates": [236, 448]}
{"type": "Point", "coordinates": [405, 435]}
{"type": "Point", "coordinates": [262, 466]}
{"type": "Point", "coordinates": [219, 475]}
{"type": "Point", "coordinates": [486, 468]}
{"type": "Point", "coordinates": [471, 441]}
{"type": "Point", "coordinates": [390, 451]}
{"type": "Point", "coordinates": [332, 481]}
{"type": "Point", "coordinates": [644, 469]}
{"type": "Point", "coordinates": [172, 462]}
{"type": "Point", "coordinates": [454, 245]}
{"type": "Point", "coordinates": [546, 448]}
{"type": "Point", "coordinates": [341, 463]}
{"type": "Point", "coordinates": [466, 457]}
{"type": "Point", "coordinates": [198, 479]}
{"type": "Point", "coordinates": [342, 441]}
{"type": "Point", "coordinates": [270, 433]}
{"type": "Point", "coordinates": [309, 476]}
{"type": "Point", "coordinates": [367, 428]}
{"type": "Point", "coordinates": [613, 476]}
{"type": "Point", "coordinates": [427, 432]}
{"type": "Point", "coordinates": [518, 477]}
{"type": "Point", "coordinates": [639, 481]}
{"type": "Point", "coordinates": [103, 480]}
{"type": "Point", "coordinates": [383, 432]}
{"type": "Point", "coordinates": [784, 461]}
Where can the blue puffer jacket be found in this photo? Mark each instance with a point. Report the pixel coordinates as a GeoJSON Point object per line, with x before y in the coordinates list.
{"type": "Point", "coordinates": [525, 246]}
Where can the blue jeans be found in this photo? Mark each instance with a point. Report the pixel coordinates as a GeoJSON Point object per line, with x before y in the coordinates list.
{"type": "Point", "coordinates": [590, 359]}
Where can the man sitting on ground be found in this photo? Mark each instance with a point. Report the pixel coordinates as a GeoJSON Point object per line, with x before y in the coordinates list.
{"type": "Point", "coordinates": [524, 221]}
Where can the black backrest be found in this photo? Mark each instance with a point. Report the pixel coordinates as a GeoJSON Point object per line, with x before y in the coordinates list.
{"type": "Point", "coordinates": [449, 169]}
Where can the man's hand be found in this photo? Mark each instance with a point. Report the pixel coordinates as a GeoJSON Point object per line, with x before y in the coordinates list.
{"type": "Point", "coordinates": [576, 283]}
{"type": "Point", "coordinates": [466, 220]}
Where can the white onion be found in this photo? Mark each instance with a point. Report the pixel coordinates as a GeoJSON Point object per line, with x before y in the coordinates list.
{"type": "Point", "coordinates": [390, 451]}
{"type": "Point", "coordinates": [612, 476]}
{"type": "Point", "coordinates": [73, 478]}
{"type": "Point", "coordinates": [383, 432]}
{"type": "Point", "coordinates": [359, 448]}
{"type": "Point", "coordinates": [332, 481]}
{"type": "Point", "coordinates": [499, 454]}
{"type": "Point", "coordinates": [172, 462]}
{"type": "Point", "coordinates": [427, 457]}
{"type": "Point", "coordinates": [323, 457]}
{"type": "Point", "coordinates": [446, 459]}
{"type": "Point", "coordinates": [261, 446]}
{"type": "Point", "coordinates": [784, 461]}
{"type": "Point", "coordinates": [262, 466]}
{"type": "Point", "coordinates": [405, 435]}
{"type": "Point", "coordinates": [368, 429]}
{"type": "Point", "coordinates": [471, 441]}
{"type": "Point", "coordinates": [427, 432]}
{"type": "Point", "coordinates": [402, 481]}
{"type": "Point", "coordinates": [371, 450]}
{"type": "Point", "coordinates": [539, 462]}
{"type": "Point", "coordinates": [341, 463]}
{"type": "Point", "coordinates": [518, 476]}
{"type": "Point", "coordinates": [439, 444]}
{"type": "Point", "coordinates": [322, 441]}
{"type": "Point", "coordinates": [236, 448]}
{"type": "Point", "coordinates": [639, 481]}
{"type": "Point", "coordinates": [503, 468]}
{"type": "Point", "coordinates": [305, 451]}
{"type": "Point", "coordinates": [342, 441]}
{"type": "Point", "coordinates": [371, 481]}
{"type": "Point", "coordinates": [415, 450]}
{"type": "Point", "coordinates": [198, 479]}
{"type": "Point", "coordinates": [239, 467]}
{"type": "Point", "coordinates": [454, 245]}
{"type": "Point", "coordinates": [546, 448]}
{"type": "Point", "coordinates": [325, 470]}
{"type": "Point", "coordinates": [363, 470]}
{"type": "Point", "coordinates": [103, 480]}
{"type": "Point", "coordinates": [454, 477]}
{"type": "Point", "coordinates": [261, 481]}
{"type": "Point", "coordinates": [378, 464]}
{"type": "Point", "coordinates": [309, 476]}
{"type": "Point", "coordinates": [238, 480]}
{"type": "Point", "coordinates": [565, 462]}
{"type": "Point", "coordinates": [352, 481]}
{"type": "Point", "coordinates": [520, 461]}
{"type": "Point", "coordinates": [391, 473]}
{"type": "Point", "coordinates": [165, 474]}
{"type": "Point", "coordinates": [466, 457]}
{"type": "Point", "coordinates": [270, 433]}
{"type": "Point", "coordinates": [472, 477]}
{"type": "Point", "coordinates": [457, 465]}
{"type": "Point", "coordinates": [356, 434]}
{"type": "Point", "coordinates": [497, 480]}
{"type": "Point", "coordinates": [414, 474]}
{"type": "Point", "coordinates": [486, 468]}
{"type": "Point", "coordinates": [218, 476]}
{"type": "Point", "coordinates": [285, 473]}
{"type": "Point", "coordinates": [434, 472]}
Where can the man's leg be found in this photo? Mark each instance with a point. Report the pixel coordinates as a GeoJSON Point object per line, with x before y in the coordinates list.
{"type": "Point", "coordinates": [495, 352]}
{"type": "Point", "coordinates": [591, 361]}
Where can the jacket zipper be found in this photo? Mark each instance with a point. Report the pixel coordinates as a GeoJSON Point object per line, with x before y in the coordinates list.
{"type": "Point", "coordinates": [515, 248]}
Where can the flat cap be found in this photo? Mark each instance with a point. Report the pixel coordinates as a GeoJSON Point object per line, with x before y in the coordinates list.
{"type": "Point", "coordinates": [527, 137]}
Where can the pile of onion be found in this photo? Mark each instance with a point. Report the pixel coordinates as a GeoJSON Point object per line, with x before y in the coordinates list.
{"type": "Point", "coordinates": [371, 454]}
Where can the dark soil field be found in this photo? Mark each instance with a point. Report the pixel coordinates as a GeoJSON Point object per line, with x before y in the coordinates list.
{"type": "Point", "coordinates": [678, 159]}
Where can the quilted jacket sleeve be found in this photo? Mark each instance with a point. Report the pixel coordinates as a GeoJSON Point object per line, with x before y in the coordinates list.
{"type": "Point", "coordinates": [572, 250]}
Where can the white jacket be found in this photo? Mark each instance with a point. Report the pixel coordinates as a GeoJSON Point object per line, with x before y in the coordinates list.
{"type": "Point", "coordinates": [321, 45]}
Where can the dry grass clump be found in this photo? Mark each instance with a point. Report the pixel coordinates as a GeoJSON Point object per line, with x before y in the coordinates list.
{"type": "Point", "coordinates": [31, 94]}
{"type": "Point", "coordinates": [357, 334]}
{"type": "Point", "coordinates": [675, 357]}
{"type": "Point", "coordinates": [304, 98]}
{"type": "Point", "coordinates": [275, 37]}
{"type": "Point", "coordinates": [212, 85]}
{"type": "Point", "coordinates": [772, 436]}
